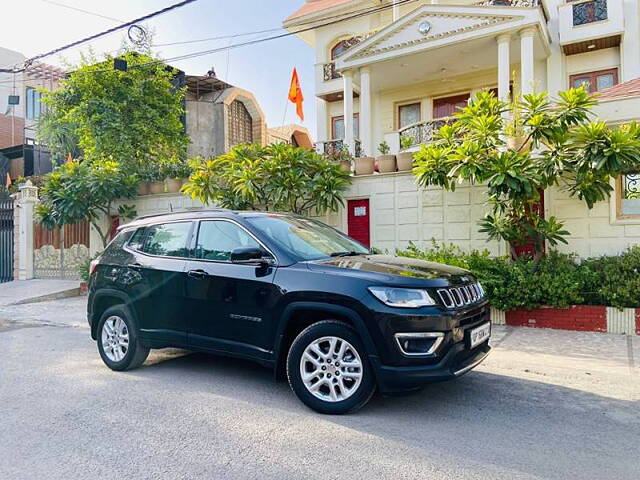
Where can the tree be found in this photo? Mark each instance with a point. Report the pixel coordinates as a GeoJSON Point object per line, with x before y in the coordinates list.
{"type": "Point", "coordinates": [541, 144]}
{"type": "Point", "coordinates": [100, 113]}
{"type": "Point", "coordinates": [78, 191]}
{"type": "Point", "coordinates": [277, 177]}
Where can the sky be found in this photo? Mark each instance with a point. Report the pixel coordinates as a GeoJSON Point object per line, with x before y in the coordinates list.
{"type": "Point", "coordinates": [36, 26]}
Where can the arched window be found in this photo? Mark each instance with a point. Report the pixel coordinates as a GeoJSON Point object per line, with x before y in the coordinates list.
{"type": "Point", "coordinates": [340, 47]}
{"type": "Point", "coordinates": [240, 124]}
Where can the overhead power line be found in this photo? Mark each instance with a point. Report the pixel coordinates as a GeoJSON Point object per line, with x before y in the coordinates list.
{"type": "Point", "coordinates": [101, 34]}
{"type": "Point", "coordinates": [313, 25]}
{"type": "Point", "coordinates": [70, 7]}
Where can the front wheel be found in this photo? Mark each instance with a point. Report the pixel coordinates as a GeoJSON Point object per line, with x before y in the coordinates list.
{"type": "Point", "coordinates": [118, 341]}
{"type": "Point", "coordinates": [328, 368]}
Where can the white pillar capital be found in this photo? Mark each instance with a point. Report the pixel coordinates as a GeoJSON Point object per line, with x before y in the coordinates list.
{"type": "Point", "coordinates": [528, 32]}
{"type": "Point", "coordinates": [347, 73]}
{"type": "Point", "coordinates": [503, 38]}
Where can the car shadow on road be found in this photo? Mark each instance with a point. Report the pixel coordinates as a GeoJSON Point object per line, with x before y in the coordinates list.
{"type": "Point", "coordinates": [507, 413]}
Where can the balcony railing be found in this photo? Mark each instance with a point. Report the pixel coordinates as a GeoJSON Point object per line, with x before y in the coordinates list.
{"type": "Point", "coordinates": [510, 3]}
{"type": "Point", "coordinates": [330, 71]}
{"type": "Point", "coordinates": [423, 132]}
{"type": "Point", "coordinates": [331, 147]}
{"type": "Point", "coordinates": [589, 12]}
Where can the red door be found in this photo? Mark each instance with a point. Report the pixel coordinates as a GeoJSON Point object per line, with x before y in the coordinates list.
{"type": "Point", "coordinates": [358, 220]}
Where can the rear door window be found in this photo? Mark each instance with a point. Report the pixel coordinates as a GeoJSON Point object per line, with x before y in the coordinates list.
{"type": "Point", "coordinates": [167, 240]}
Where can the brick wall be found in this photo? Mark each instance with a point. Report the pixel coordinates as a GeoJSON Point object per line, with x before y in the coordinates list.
{"type": "Point", "coordinates": [6, 137]}
{"type": "Point", "coordinates": [578, 317]}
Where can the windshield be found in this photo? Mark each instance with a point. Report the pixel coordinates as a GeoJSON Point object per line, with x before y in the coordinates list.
{"type": "Point", "coordinates": [308, 239]}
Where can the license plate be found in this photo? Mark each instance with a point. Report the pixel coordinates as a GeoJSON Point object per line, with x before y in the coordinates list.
{"type": "Point", "coordinates": [480, 334]}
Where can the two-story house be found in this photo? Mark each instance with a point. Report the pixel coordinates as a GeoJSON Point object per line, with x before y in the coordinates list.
{"type": "Point", "coordinates": [385, 70]}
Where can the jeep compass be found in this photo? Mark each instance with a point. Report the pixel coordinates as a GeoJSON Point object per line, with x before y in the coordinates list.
{"type": "Point", "coordinates": [291, 293]}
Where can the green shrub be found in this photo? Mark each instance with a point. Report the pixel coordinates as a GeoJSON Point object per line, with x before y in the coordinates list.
{"type": "Point", "coordinates": [614, 280]}
{"type": "Point", "coordinates": [559, 280]}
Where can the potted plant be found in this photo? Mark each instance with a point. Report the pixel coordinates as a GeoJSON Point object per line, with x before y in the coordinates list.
{"type": "Point", "coordinates": [342, 157]}
{"type": "Point", "coordinates": [365, 165]}
{"type": "Point", "coordinates": [386, 162]}
{"type": "Point", "coordinates": [405, 159]}
{"type": "Point", "coordinates": [156, 183]}
{"type": "Point", "coordinates": [174, 173]}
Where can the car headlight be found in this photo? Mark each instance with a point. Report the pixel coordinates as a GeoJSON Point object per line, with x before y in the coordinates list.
{"type": "Point", "coordinates": [402, 297]}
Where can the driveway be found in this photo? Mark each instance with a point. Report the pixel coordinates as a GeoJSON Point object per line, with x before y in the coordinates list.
{"type": "Point", "coordinates": [545, 404]}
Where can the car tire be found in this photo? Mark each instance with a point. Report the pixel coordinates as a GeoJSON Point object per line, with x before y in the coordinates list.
{"type": "Point", "coordinates": [316, 379]}
{"type": "Point", "coordinates": [118, 340]}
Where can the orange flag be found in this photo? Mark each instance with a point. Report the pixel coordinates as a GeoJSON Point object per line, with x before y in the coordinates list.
{"type": "Point", "coordinates": [7, 183]}
{"type": "Point", "coordinates": [295, 94]}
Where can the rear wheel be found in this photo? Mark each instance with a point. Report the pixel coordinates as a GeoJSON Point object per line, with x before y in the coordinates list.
{"type": "Point", "coordinates": [328, 368]}
{"type": "Point", "coordinates": [118, 341]}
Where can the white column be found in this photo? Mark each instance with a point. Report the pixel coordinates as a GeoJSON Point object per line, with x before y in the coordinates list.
{"type": "Point", "coordinates": [365, 111]}
{"type": "Point", "coordinates": [27, 198]}
{"type": "Point", "coordinates": [527, 80]}
{"type": "Point", "coordinates": [504, 66]}
{"type": "Point", "coordinates": [321, 120]}
{"type": "Point", "coordinates": [630, 48]}
{"type": "Point", "coordinates": [396, 10]}
{"type": "Point", "coordinates": [347, 97]}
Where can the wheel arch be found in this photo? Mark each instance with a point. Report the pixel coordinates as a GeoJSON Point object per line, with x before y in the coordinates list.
{"type": "Point", "coordinates": [292, 323]}
{"type": "Point", "coordinates": [103, 299]}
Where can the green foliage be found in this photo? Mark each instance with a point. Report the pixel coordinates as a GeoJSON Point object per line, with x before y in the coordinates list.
{"type": "Point", "coordinates": [560, 147]}
{"type": "Point", "coordinates": [406, 142]}
{"type": "Point", "coordinates": [277, 177]}
{"type": "Point", "coordinates": [557, 280]}
{"type": "Point", "coordinates": [384, 148]}
{"type": "Point", "coordinates": [79, 191]}
{"type": "Point", "coordinates": [102, 114]}
{"type": "Point", "coordinates": [173, 168]}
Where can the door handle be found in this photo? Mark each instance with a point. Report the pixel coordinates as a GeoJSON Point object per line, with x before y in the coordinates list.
{"type": "Point", "coordinates": [198, 274]}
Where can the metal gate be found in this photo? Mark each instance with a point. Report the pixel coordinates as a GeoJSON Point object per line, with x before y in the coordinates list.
{"type": "Point", "coordinates": [59, 253]}
{"type": "Point", "coordinates": [6, 240]}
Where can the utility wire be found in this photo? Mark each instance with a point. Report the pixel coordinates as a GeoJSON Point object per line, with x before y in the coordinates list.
{"type": "Point", "coordinates": [70, 7]}
{"type": "Point", "coordinates": [343, 17]}
{"type": "Point", "coordinates": [101, 34]}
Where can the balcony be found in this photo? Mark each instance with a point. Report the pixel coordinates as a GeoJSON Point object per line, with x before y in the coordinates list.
{"type": "Point", "coordinates": [331, 147]}
{"type": "Point", "coordinates": [330, 73]}
{"type": "Point", "coordinates": [422, 132]}
{"type": "Point", "coordinates": [597, 23]}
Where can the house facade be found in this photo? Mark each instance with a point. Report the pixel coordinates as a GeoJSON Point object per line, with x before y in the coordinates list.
{"type": "Point", "coordinates": [392, 70]}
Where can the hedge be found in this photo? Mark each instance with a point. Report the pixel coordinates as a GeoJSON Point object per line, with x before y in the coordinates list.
{"type": "Point", "coordinates": [558, 281]}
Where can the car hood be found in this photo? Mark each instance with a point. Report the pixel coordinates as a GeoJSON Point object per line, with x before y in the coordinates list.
{"type": "Point", "coordinates": [394, 270]}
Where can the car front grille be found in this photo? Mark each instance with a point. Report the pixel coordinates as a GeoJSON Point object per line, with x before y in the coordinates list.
{"type": "Point", "coordinates": [453, 297]}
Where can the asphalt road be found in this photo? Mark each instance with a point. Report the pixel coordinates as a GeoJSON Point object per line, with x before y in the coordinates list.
{"type": "Point", "coordinates": [552, 405]}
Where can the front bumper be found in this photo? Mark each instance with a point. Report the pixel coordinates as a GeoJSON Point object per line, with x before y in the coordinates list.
{"type": "Point", "coordinates": [458, 361]}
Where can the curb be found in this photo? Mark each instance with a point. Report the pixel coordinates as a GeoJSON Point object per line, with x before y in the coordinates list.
{"type": "Point", "coordinates": [71, 292]}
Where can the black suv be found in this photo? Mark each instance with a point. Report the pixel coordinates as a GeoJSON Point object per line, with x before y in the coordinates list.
{"type": "Point", "coordinates": [290, 293]}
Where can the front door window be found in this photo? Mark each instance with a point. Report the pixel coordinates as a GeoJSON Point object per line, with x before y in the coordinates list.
{"type": "Point", "coordinates": [447, 106]}
{"type": "Point", "coordinates": [408, 114]}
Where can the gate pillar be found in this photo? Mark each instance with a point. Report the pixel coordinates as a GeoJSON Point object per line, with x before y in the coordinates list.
{"type": "Point", "coordinates": [26, 200]}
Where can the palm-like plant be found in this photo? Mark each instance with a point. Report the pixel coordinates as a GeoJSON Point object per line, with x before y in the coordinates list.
{"type": "Point", "coordinates": [561, 147]}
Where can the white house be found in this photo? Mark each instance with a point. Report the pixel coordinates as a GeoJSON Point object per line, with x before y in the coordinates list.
{"type": "Point", "coordinates": [391, 69]}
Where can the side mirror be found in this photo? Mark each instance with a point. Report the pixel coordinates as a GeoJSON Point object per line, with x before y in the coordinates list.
{"type": "Point", "coordinates": [249, 255]}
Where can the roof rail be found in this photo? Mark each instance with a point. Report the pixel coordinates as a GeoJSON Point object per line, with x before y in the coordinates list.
{"type": "Point", "coordinates": [204, 210]}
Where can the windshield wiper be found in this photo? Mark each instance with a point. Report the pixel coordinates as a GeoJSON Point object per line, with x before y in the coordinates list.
{"type": "Point", "coordinates": [345, 254]}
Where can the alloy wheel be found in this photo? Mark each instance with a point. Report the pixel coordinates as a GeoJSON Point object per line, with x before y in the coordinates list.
{"type": "Point", "coordinates": [331, 369]}
{"type": "Point", "coordinates": [115, 338]}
